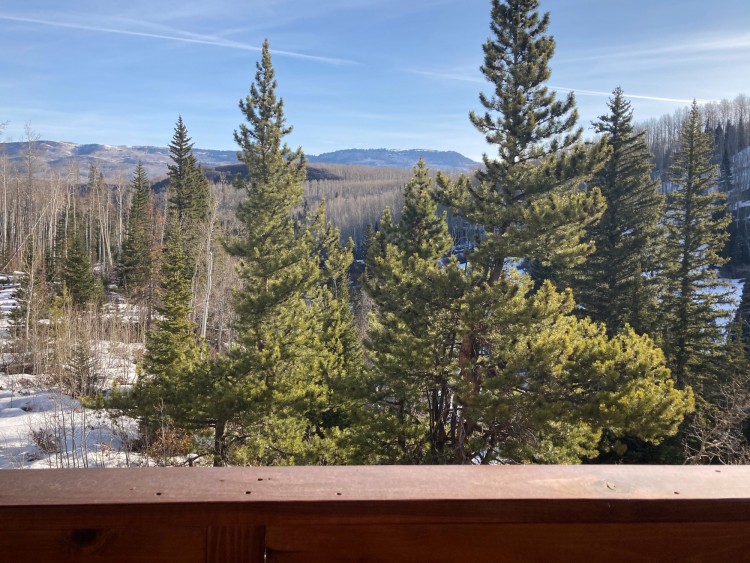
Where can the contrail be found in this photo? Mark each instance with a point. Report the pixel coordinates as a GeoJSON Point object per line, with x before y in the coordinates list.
{"type": "Point", "coordinates": [633, 96]}
{"type": "Point", "coordinates": [191, 38]}
{"type": "Point", "coordinates": [479, 79]}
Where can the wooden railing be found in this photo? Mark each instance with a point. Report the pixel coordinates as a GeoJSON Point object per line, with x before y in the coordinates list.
{"type": "Point", "coordinates": [456, 514]}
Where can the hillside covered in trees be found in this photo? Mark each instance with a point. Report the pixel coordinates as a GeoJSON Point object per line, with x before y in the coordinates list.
{"type": "Point", "coordinates": [562, 303]}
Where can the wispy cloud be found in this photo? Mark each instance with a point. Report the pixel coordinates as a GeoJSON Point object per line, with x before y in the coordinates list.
{"type": "Point", "coordinates": [672, 49]}
{"type": "Point", "coordinates": [457, 76]}
{"type": "Point", "coordinates": [176, 35]}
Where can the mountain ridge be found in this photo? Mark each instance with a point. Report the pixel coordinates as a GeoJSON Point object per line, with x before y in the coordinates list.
{"type": "Point", "coordinates": [116, 159]}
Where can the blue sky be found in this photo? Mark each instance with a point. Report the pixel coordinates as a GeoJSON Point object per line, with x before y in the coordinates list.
{"type": "Point", "coordinates": [353, 73]}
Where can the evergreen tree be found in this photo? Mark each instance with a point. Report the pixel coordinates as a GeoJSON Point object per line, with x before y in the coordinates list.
{"type": "Point", "coordinates": [341, 366]}
{"type": "Point", "coordinates": [718, 144]}
{"type": "Point", "coordinates": [695, 224]}
{"type": "Point", "coordinates": [276, 369]}
{"type": "Point", "coordinates": [188, 201]}
{"type": "Point", "coordinates": [413, 330]}
{"type": "Point", "coordinates": [742, 319]}
{"type": "Point", "coordinates": [726, 180]}
{"type": "Point", "coordinates": [550, 387]}
{"type": "Point", "coordinates": [78, 274]}
{"type": "Point", "coordinates": [528, 199]}
{"type": "Point", "coordinates": [741, 135]}
{"type": "Point", "coordinates": [136, 264]}
{"type": "Point", "coordinates": [173, 357]}
{"type": "Point", "coordinates": [611, 287]}
{"type": "Point", "coordinates": [532, 382]}
{"type": "Point", "coordinates": [81, 376]}
{"type": "Point", "coordinates": [188, 196]}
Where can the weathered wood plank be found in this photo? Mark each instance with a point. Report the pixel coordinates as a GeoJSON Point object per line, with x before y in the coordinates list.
{"type": "Point", "coordinates": [512, 543]}
{"type": "Point", "coordinates": [306, 484]}
{"type": "Point", "coordinates": [235, 544]}
{"type": "Point", "coordinates": [377, 514]}
{"type": "Point", "coordinates": [116, 545]}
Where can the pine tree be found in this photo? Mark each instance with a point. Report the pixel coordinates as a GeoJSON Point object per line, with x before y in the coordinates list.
{"type": "Point", "coordinates": [741, 135]}
{"type": "Point", "coordinates": [552, 387]}
{"type": "Point", "coordinates": [535, 382]}
{"type": "Point", "coordinates": [136, 265]}
{"type": "Point", "coordinates": [528, 199]}
{"type": "Point", "coordinates": [78, 274]}
{"type": "Point", "coordinates": [610, 287]}
{"type": "Point", "coordinates": [696, 225]}
{"type": "Point", "coordinates": [726, 180]}
{"type": "Point", "coordinates": [189, 195]}
{"type": "Point", "coordinates": [173, 357]}
{"type": "Point", "coordinates": [412, 334]}
{"type": "Point", "coordinates": [341, 366]}
{"type": "Point", "coordinates": [276, 369]}
{"type": "Point", "coordinates": [188, 199]}
{"type": "Point", "coordinates": [743, 317]}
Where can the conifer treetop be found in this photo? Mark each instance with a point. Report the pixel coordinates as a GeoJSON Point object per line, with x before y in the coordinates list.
{"type": "Point", "coordinates": [531, 122]}
{"type": "Point", "coordinates": [260, 140]}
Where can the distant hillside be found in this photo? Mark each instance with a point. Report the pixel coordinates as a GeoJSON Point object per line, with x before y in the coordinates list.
{"type": "Point", "coordinates": [113, 160]}
{"type": "Point", "coordinates": [110, 160]}
{"type": "Point", "coordinates": [228, 172]}
{"type": "Point", "coordinates": [439, 160]}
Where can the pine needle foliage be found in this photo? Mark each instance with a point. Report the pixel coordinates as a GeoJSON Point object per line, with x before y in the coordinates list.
{"type": "Point", "coordinates": [136, 264]}
{"type": "Point", "coordinates": [528, 199]}
{"type": "Point", "coordinates": [173, 357]}
{"type": "Point", "coordinates": [535, 383]}
{"type": "Point", "coordinates": [696, 231]}
{"type": "Point", "coordinates": [616, 285]}
{"type": "Point", "coordinates": [412, 334]}
{"type": "Point", "coordinates": [289, 355]}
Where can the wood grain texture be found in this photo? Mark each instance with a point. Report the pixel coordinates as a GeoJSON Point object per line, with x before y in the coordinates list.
{"type": "Point", "coordinates": [613, 543]}
{"type": "Point", "coordinates": [297, 484]}
{"type": "Point", "coordinates": [235, 544]}
{"type": "Point", "coordinates": [537, 513]}
{"type": "Point", "coordinates": [117, 545]}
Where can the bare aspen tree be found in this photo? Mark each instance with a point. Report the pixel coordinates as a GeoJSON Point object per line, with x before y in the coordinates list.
{"type": "Point", "coordinates": [211, 221]}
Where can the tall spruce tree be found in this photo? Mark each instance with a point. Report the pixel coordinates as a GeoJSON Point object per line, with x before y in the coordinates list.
{"type": "Point", "coordinates": [277, 367]}
{"type": "Point", "coordinates": [136, 264]}
{"type": "Point", "coordinates": [610, 287]}
{"type": "Point", "coordinates": [534, 382]}
{"type": "Point", "coordinates": [189, 195]}
{"type": "Point", "coordinates": [696, 231]}
{"type": "Point", "coordinates": [188, 208]}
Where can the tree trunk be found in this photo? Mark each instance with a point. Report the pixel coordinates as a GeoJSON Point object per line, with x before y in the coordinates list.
{"type": "Point", "coordinates": [220, 443]}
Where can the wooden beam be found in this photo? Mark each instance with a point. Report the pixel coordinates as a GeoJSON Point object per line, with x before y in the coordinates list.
{"type": "Point", "coordinates": [433, 513]}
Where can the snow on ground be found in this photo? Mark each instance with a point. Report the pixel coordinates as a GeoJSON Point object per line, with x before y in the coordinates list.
{"type": "Point", "coordinates": [115, 362]}
{"type": "Point", "coordinates": [8, 303]}
{"type": "Point", "coordinates": [730, 304]}
{"type": "Point", "coordinates": [735, 294]}
{"type": "Point", "coordinates": [41, 428]}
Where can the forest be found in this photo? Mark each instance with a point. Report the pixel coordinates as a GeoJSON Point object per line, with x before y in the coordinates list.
{"type": "Point", "coordinates": [573, 300]}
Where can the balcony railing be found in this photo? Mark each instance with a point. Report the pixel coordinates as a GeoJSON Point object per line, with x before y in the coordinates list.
{"type": "Point", "coordinates": [457, 514]}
